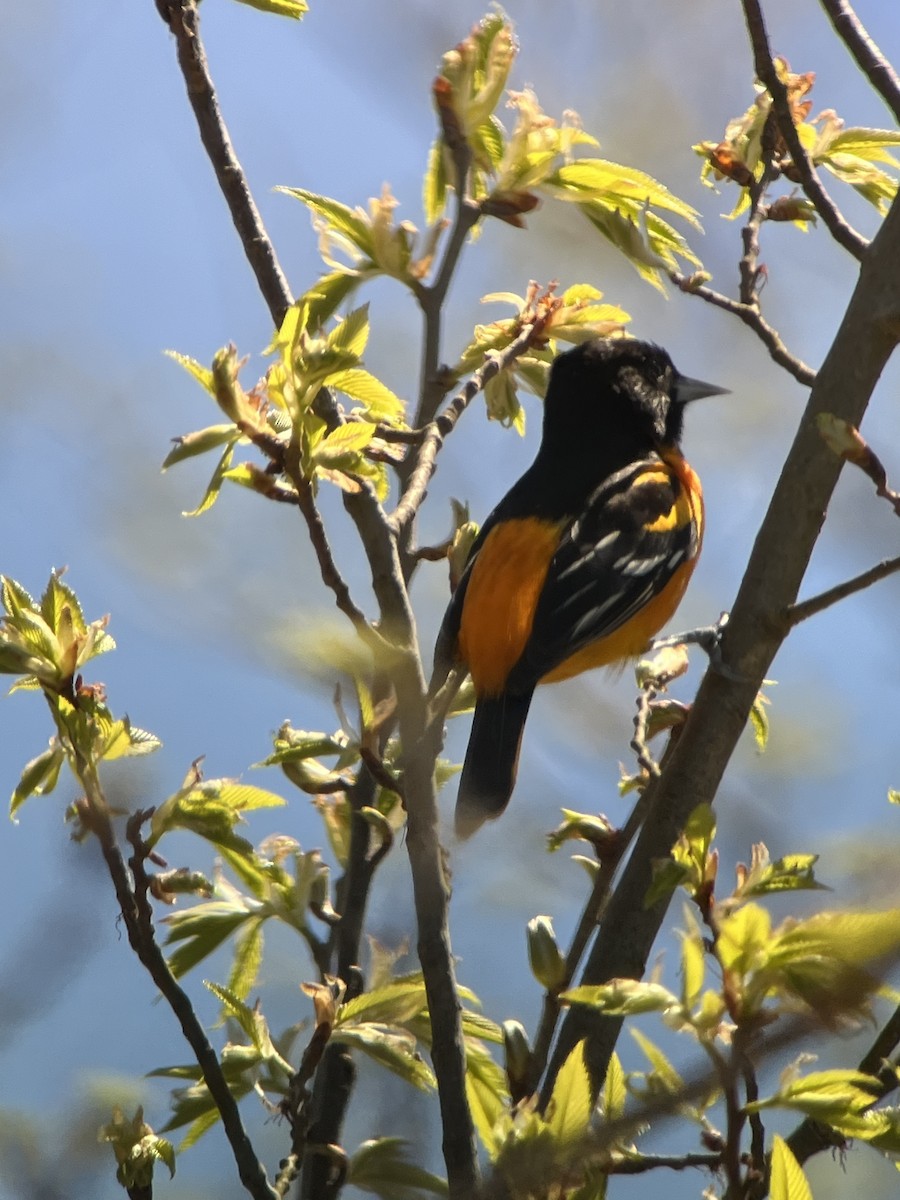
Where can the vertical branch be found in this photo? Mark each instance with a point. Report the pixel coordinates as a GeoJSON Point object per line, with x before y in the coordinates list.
{"type": "Point", "coordinates": [432, 895]}
{"type": "Point", "coordinates": [336, 1074]}
{"type": "Point", "coordinates": [431, 298]}
{"type": "Point", "coordinates": [183, 19]}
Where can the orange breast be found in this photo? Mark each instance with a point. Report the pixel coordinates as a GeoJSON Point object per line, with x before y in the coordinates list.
{"type": "Point", "coordinates": [502, 593]}
{"type": "Point", "coordinates": [508, 576]}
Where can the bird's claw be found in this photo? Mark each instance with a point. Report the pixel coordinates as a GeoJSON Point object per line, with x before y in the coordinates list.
{"type": "Point", "coordinates": [708, 638]}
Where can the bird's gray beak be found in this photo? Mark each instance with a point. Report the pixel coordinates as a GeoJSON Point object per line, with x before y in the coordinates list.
{"type": "Point", "coordinates": [687, 389]}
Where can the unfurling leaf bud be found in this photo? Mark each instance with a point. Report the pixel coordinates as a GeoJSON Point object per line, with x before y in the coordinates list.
{"type": "Point", "coordinates": [517, 1054]}
{"type": "Point", "coordinates": [547, 963]}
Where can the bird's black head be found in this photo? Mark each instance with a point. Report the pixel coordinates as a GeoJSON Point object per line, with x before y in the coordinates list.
{"type": "Point", "coordinates": [618, 391]}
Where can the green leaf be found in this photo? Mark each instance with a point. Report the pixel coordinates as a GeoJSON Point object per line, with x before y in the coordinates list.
{"type": "Point", "coordinates": [248, 949]}
{"type": "Point", "coordinates": [393, 1004]}
{"type": "Point", "coordinates": [378, 400]}
{"type": "Point", "coordinates": [203, 375]}
{"type": "Point", "coordinates": [759, 720]}
{"type": "Point", "coordinates": [329, 292]}
{"type": "Point", "coordinates": [380, 1166]}
{"type": "Point", "coordinates": [352, 223]}
{"type": "Point", "coordinates": [825, 1095]}
{"type": "Point", "coordinates": [488, 1096]}
{"type": "Point", "coordinates": [866, 143]}
{"type": "Point", "coordinates": [663, 1071]}
{"type": "Point", "coordinates": [211, 495]}
{"type": "Point", "coordinates": [569, 1110]}
{"type": "Point", "coordinates": [476, 1025]}
{"type": "Point", "coordinates": [788, 1181]}
{"type": "Point", "coordinates": [61, 609]}
{"type": "Point", "coordinates": [281, 8]}
{"type": "Point", "coordinates": [392, 1048]}
{"type": "Point", "coordinates": [125, 740]}
{"type": "Point", "coordinates": [693, 966]}
{"type": "Point", "coordinates": [622, 997]}
{"type": "Point", "coordinates": [15, 598]}
{"type": "Point", "coordinates": [434, 185]}
{"type": "Point", "coordinates": [200, 442]}
{"type": "Point", "coordinates": [341, 449]}
{"type": "Point", "coordinates": [614, 1091]}
{"type": "Point", "coordinates": [246, 1017]}
{"type": "Point", "coordinates": [211, 808]}
{"type": "Point", "coordinates": [744, 939]}
{"type": "Point", "coordinates": [598, 179]}
{"type": "Point", "coordinates": [352, 334]}
{"type": "Point", "coordinates": [203, 929]}
{"type": "Point", "coordinates": [792, 873]}
{"type": "Point", "coordinates": [292, 745]}
{"type": "Point", "coordinates": [39, 777]}
{"type": "Point", "coordinates": [823, 960]}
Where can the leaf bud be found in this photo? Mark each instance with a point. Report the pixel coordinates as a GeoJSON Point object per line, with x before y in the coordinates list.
{"type": "Point", "coordinates": [547, 963]}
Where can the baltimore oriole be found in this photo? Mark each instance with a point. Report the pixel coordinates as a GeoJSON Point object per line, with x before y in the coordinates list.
{"type": "Point", "coordinates": [583, 560]}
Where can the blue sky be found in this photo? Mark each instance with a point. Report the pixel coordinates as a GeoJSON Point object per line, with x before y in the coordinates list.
{"type": "Point", "coordinates": [116, 246]}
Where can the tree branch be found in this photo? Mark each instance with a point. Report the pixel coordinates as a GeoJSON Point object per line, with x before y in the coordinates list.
{"type": "Point", "coordinates": [764, 64]}
{"type": "Point", "coordinates": [865, 340]}
{"type": "Point", "coordinates": [750, 270]}
{"type": "Point", "coordinates": [431, 298]}
{"type": "Point", "coordinates": [643, 1163]}
{"type": "Point", "coordinates": [336, 1074]}
{"type": "Point", "coordinates": [753, 319]}
{"type": "Point", "coordinates": [869, 58]}
{"type": "Point", "coordinates": [183, 20]}
{"type": "Point", "coordinates": [438, 430]}
{"type": "Point", "coordinates": [137, 915]}
{"type": "Point", "coordinates": [431, 891]}
{"type": "Point", "coordinates": [796, 613]}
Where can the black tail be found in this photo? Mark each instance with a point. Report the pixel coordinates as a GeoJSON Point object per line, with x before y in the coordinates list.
{"type": "Point", "coordinates": [489, 772]}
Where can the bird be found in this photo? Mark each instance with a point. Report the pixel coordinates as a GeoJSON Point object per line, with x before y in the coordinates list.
{"type": "Point", "coordinates": [584, 559]}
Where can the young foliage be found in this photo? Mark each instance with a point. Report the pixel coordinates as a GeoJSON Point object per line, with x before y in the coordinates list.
{"type": "Point", "coordinates": [137, 1150]}
{"type": "Point", "coordinates": [279, 417]}
{"type": "Point", "coordinates": [850, 154]}
{"type": "Point", "coordinates": [513, 168]}
{"type": "Point", "coordinates": [46, 644]}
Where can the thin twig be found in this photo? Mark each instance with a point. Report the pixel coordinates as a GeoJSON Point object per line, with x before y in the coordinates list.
{"type": "Point", "coordinates": [750, 270]}
{"type": "Point", "coordinates": [328, 568]}
{"type": "Point", "coordinates": [431, 297]}
{"type": "Point", "coordinates": [437, 431]}
{"type": "Point", "coordinates": [757, 1171]}
{"type": "Point", "coordinates": [137, 916]}
{"type": "Point", "coordinates": [816, 604]}
{"type": "Point", "coordinates": [764, 64]}
{"type": "Point", "coordinates": [336, 1074]}
{"type": "Point", "coordinates": [183, 19]}
{"type": "Point", "coordinates": [871, 61]}
{"type": "Point", "coordinates": [641, 1164]}
{"type": "Point", "coordinates": [753, 319]}
{"type": "Point", "coordinates": [645, 759]}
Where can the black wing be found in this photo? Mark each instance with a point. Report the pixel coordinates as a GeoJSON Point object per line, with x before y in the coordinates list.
{"type": "Point", "coordinates": [635, 532]}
